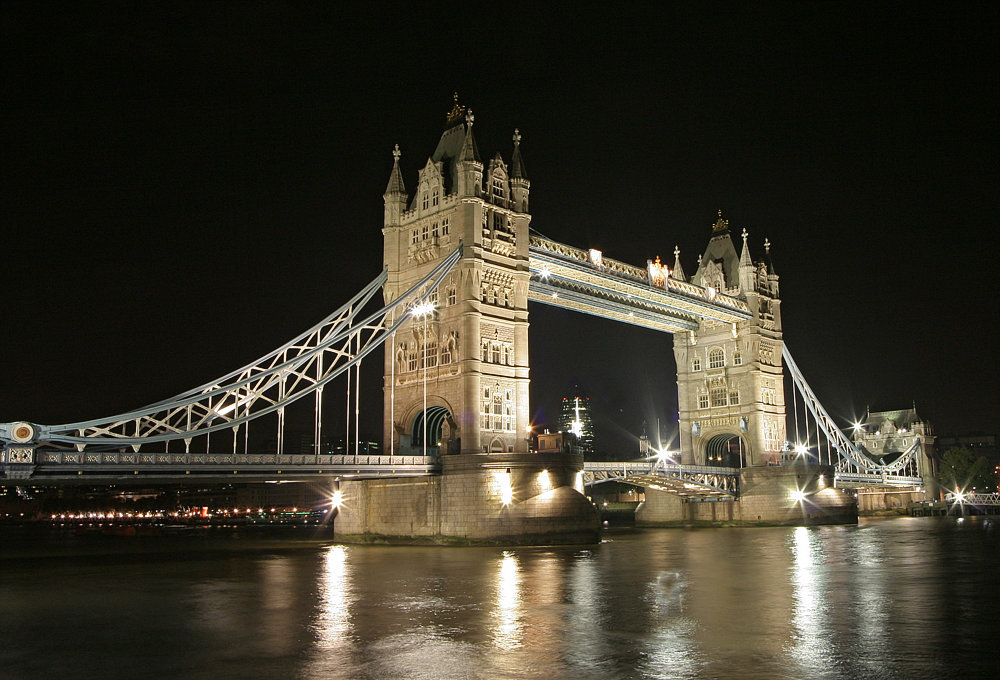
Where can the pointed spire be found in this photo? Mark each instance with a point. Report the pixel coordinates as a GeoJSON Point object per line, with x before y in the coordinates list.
{"type": "Point", "coordinates": [745, 260]}
{"type": "Point", "coordinates": [395, 185]}
{"type": "Point", "coordinates": [469, 152]}
{"type": "Point", "coordinates": [516, 163]}
{"type": "Point", "coordinates": [678, 272]}
{"type": "Point", "coordinates": [770, 263]}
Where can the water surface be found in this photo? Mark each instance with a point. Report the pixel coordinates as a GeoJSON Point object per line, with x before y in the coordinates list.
{"type": "Point", "coordinates": [903, 598]}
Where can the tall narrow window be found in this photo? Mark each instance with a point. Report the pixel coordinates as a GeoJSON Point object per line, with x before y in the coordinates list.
{"type": "Point", "coordinates": [424, 201]}
{"type": "Point", "coordinates": [696, 364]}
{"type": "Point", "coordinates": [702, 401]}
{"type": "Point", "coordinates": [452, 296]}
{"type": "Point", "coordinates": [734, 397]}
{"type": "Point", "coordinates": [737, 358]}
{"type": "Point", "coordinates": [444, 227]}
{"type": "Point", "coordinates": [434, 196]}
{"type": "Point", "coordinates": [716, 358]}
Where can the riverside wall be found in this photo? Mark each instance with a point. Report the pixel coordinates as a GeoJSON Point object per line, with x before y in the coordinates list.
{"type": "Point", "coordinates": [477, 499]}
{"type": "Point", "coordinates": [765, 499]}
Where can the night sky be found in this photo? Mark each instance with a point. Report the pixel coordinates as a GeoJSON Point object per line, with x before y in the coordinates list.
{"type": "Point", "coordinates": [186, 186]}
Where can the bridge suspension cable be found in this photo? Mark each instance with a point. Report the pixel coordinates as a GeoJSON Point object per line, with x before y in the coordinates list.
{"type": "Point", "coordinates": [851, 459]}
{"type": "Point", "coordinates": [300, 367]}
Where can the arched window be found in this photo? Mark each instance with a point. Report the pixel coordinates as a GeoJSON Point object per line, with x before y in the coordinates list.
{"type": "Point", "coordinates": [737, 358]}
{"type": "Point", "coordinates": [716, 358]}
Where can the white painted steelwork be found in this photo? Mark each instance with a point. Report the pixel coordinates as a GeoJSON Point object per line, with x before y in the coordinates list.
{"type": "Point", "coordinates": [298, 368]}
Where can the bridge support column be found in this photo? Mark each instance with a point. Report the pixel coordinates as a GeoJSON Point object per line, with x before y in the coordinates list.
{"type": "Point", "coordinates": [512, 498]}
{"type": "Point", "coordinates": [794, 495]}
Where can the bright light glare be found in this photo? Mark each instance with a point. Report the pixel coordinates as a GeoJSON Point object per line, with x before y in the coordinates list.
{"type": "Point", "coordinates": [337, 499]}
{"type": "Point", "coordinates": [506, 490]}
{"type": "Point", "coordinates": [422, 309]}
{"type": "Point", "coordinates": [544, 274]}
{"type": "Point", "coordinates": [798, 496]}
{"type": "Point", "coordinates": [544, 480]}
{"type": "Point", "coordinates": [959, 496]}
{"type": "Point", "coordinates": [801, 449]}
{"type": "Point", "coordinates": [857, 426]}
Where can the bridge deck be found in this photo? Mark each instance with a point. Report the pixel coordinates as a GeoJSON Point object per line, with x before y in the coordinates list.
{"type": "Point", "coordinates": [572, 278]}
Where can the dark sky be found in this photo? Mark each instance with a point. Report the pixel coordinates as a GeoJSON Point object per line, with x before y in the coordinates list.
{"type": "Point", "coordinates": [186, 186]}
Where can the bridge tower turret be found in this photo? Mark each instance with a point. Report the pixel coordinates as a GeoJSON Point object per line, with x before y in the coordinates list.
{"type": "Point", "coordinates": [473, 355]}
{"type": "Point", "coordinates": [730, 385]}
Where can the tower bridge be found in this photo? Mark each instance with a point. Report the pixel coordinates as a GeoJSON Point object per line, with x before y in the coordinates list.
{"type": "Point", "coordinates": [461, 264]}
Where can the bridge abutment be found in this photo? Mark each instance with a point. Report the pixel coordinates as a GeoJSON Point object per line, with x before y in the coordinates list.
{"type": "Point", "coordinates": [478, 498]}
{"type": "Point", "coordinates": [794, 495]}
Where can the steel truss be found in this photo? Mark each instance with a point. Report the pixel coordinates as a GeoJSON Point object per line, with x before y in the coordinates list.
{"type": "Point", "coordinates": [976, 499]}
{"type": "Point", "coordinates": [693, 483]}
{"type": "Point", "coordinates": [299, 368]}
{"type": "Point", "coordinates": [853, 467]}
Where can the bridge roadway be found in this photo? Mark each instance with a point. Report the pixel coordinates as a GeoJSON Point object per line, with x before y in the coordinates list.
{"type": "Point", "coordinates": [691, 482]}
{"type": "Point", "coordinates": [62, 467]}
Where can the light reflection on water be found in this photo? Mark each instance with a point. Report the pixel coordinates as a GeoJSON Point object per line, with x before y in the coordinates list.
{"type": "Point", "coordinates": [901, 599]}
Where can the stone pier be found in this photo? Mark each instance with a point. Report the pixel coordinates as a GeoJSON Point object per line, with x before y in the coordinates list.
{"type": "Point", "coordinates": [508, 498]}
{"type": "Point", "coordinates": [766, 498]}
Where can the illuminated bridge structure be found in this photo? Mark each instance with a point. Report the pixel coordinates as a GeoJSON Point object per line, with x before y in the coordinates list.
{"type": "Point", "coordinates": [208, 426]}
{"type": "Point", "coordinates": [461, 265]}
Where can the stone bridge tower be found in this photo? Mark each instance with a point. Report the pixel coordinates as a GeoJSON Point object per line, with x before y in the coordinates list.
{"type": "Point", "coordinates": [473, 349]}
{"type": "Point", "coordinates": [730, 386]}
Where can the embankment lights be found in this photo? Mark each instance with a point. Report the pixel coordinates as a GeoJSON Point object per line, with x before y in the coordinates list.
{"type": "Point", "coordinates": [505, 487]}
{"type": "Point", "coordinates": [797, 495]}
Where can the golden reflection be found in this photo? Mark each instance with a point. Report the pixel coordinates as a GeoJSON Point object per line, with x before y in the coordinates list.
{"type": "Point", "coordinates": [507, 614]}
{"type": "Point", "coordinates": [809, 613]}
{"type": "Point", "coordinates": [334, 620]}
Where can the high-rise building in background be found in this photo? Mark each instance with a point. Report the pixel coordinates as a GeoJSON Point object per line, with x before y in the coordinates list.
{"type": "Point", "coordinates": [575, 418]}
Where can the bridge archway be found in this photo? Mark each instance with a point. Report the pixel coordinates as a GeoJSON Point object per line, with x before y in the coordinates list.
{"type": "Point", "coordinates": [437, 416]}
{"type": "Point", "coordinates": [727, 450]}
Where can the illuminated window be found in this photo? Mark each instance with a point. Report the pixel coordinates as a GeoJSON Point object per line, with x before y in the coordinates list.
{"type": "Point", "coordinates": [434, 196]}
{"type": "Point", "coordinates": [702, 401]}
{"type": "Point", "coordinates": [508, 410]}
{"type": "Point", "coordinates": [498, 187]}
{"type": "Point", "coordinates": [696, 364]}
{"type": "Point", "coordinates": [434, 230]}
{"type": "Point", "coordinates": [718, 396]}
{"type": "Point", "coordinates": [430, 354]}
{"type": "Point", "coordinates": [424, 201]}
{"type": "Point", "coordinates": [444, 227]}
{"type": "Point", "coordinates": [424, 233]}
{"type": "Point", "coordinates": [416, 236]}
{"type": "Point", "coordinates": [716, 358]}
{"type": "Point", "coordinates": [737, 358]}
{"type": "Point", "coordinates": [452, 296]}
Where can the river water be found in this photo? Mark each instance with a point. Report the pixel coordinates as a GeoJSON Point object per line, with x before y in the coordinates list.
{"type": "Point", "coordinates": [902, 598]}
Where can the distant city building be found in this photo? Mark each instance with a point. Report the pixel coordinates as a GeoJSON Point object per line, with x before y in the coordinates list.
{"type": "Point", "coordinates": [575, 418]}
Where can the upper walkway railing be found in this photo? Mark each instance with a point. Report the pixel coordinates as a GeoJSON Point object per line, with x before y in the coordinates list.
{"type": "Point", "coordinates": [588, 282]}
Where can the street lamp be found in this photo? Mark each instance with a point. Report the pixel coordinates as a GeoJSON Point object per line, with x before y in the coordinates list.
{"type": "Point", "coordinates": [424, 310]}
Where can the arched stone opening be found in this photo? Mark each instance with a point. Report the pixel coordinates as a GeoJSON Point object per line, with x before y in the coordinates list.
{"type": "Point", "coordinates": [437, 436]}
{"type": "Point", "coordinates": [727, 450]}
